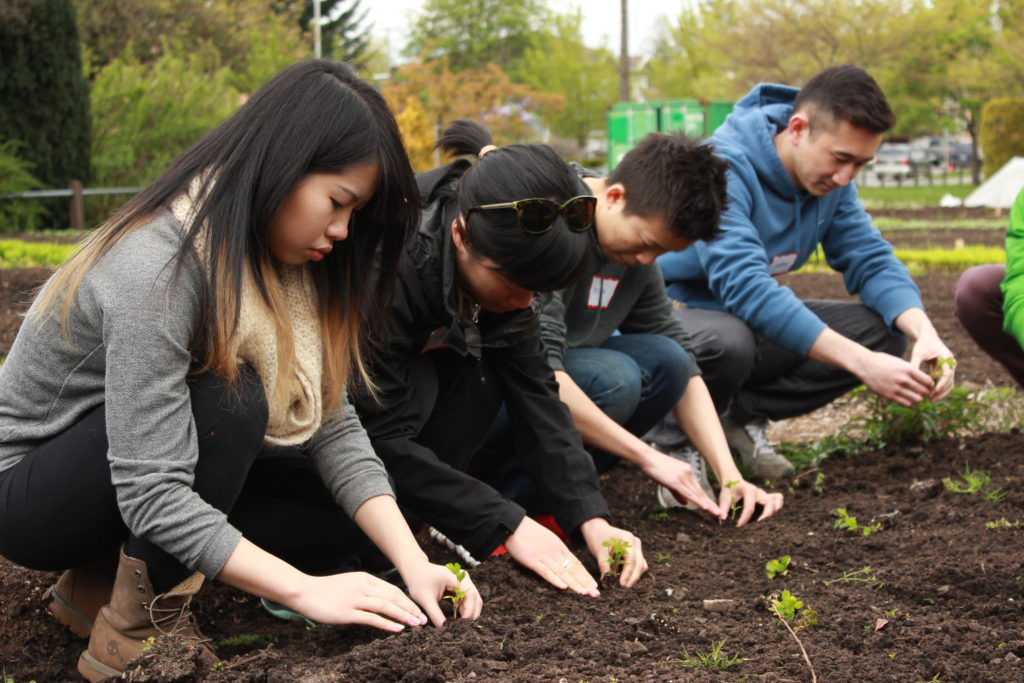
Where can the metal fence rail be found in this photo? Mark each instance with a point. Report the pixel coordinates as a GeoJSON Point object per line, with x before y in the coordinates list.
{"type": "Point", "coordinates": [76, 192]}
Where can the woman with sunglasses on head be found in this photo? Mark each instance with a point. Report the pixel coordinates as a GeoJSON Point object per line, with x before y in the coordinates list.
{"type": "Point", "coordinates": [217, 315]}
{"type": "Point", "coordinates": [500, 224]}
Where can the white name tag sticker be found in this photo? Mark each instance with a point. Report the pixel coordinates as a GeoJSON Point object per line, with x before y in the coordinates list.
{"type": "Point", "coordinates": [602, 289]}
{"type": "Point", "coordinates": [782, 263]}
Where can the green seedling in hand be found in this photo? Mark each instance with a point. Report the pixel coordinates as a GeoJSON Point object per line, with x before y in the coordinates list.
{"type": "Point", "coordinates": [936, 368]}
{"type": "Point", "coordinates": [774, 568]}
{"type": "Point", "coordinates": [618, 551]}
{"type": "Point", "coordinates": [849, 523]}
{"type": "Point", "coordinates": [457, 595]}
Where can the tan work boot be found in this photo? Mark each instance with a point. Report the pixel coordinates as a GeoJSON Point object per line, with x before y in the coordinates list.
{"type": "Point", "coordinates": [135, 614]}
{"type": "Point", "coordinates": [80, 593]}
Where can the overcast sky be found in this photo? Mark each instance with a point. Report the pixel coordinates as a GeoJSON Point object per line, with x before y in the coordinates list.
{"type": "Point", "coordinates": [391, 19]}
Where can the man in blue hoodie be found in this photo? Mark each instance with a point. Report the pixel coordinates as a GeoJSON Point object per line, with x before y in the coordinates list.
{"type": "Point", "coordinates": [767, 355]}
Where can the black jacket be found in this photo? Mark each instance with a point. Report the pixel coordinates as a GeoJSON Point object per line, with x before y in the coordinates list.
{"type": "Point", "coordinates": [464, 508]}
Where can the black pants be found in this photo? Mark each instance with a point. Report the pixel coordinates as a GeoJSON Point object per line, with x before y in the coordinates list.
{"type": "Point", "coordinates": [750, 377]}
{"type": "Point", "coordinates": [58, 506]}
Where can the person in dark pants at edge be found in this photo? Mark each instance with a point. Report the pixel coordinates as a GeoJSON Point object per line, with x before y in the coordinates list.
{"type": "Point", "coordinates": [177, 390]}
{"type": "Point", "coordinates": [463, 337]}
{"type": "Point", "coordinates": [989, 300]}
{"type": "Point", "coordinates": [793, 154]}
{"type": "Point", "coordinates": [621, 360]}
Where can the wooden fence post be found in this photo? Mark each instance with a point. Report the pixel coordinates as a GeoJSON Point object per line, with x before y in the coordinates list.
{"type": "Point", "coordinates": [77, 206]}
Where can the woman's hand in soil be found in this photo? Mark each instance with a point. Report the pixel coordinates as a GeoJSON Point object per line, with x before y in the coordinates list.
{"type": "Point", "coordinates": [429, 584]}
{"type": "Point", "coordinates": [357, 598]}
{"type": "Point", "coordinates": [538, 549]}
{"type": "Point", "coordinates": [596, 532]}
{"type": "Point", "coordinates": [749, 496]}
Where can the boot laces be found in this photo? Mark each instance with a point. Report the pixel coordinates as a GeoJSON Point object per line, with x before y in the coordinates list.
{"type": "Point", "coordinates": [758, 433]}
{"type": "Point", "coordinates": [176, 620]}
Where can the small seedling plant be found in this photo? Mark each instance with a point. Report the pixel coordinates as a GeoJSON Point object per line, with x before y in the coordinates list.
{"type": "Point", "coordinates": [971, 481]}
{"type": "Point", "coordinates": [715, 659]}
{"type": "Point", "coordinates": [456, 594]}
{"type": "Point", "coordinates": [791, 609]}
{"type": "Point", "coordinates": [936, 368]}
{"type": "Point", "coordinates": [618, 551]}
{"type": "Point", "coordinates": [777, 567]}
{"type": "Point", "coordinates": [849, 523]}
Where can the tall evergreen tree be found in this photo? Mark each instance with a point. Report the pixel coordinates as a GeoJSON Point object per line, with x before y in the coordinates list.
{"type": "Point", "coordinates": [44, 97]}
{"type": "Point", "coordinates": [342, 34]}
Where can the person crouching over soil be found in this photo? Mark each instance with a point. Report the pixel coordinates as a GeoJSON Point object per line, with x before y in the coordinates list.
{"type": "Point", "coordinates": [464, 337]}
{"type": "Point", "coordinates": [178, 387]}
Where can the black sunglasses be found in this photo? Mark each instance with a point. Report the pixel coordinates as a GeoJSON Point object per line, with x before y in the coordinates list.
{"type": "Point", "coordinates": [536, 216]}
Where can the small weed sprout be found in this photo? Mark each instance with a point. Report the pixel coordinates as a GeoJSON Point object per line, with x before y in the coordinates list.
{"type": "Point", "coordinates": [849, 523]}
{"type": "Point", "coordinates": [819, 484]}
{"type": "Point", "coordinates": [734, 509]}
{"type": "Point", "coordinates": [660, 514]}
{"type": "Point", "coordinates": [148, 643]}
{"type": "Point", "coordinates": [971, 481]}
{"type": "Point", "coordinates": [618, 551]}
{"type": "Point", "coordinates": [862, 575]}
{"type": "Point", "coordinates": [1003, 523]}
{"type": "Point", "coordinates": [457, 594]}
{"type": "Point", "coordinates": [995, 496]}
{"type": "Point", "coordinates": [662, 558]}
{"type": "Point", "coordinates": [709, 660]}
{"type": "Point", "coordinates": [776, 567]}
{"type": "Point", "coordinates": [935, 368]}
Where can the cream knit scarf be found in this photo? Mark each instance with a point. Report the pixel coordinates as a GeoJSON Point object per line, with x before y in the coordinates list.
{"type": "Point", "coordinates": [295, 420]}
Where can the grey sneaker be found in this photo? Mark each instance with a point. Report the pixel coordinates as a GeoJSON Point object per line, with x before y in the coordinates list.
{"type": "Point", "coordinates": [756, 452]}
{"type": "Point", "coordinates": [691, 457]}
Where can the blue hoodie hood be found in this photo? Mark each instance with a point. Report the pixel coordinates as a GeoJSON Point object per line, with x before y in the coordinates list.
{"type": "Point", "coordinates": [772, 227]}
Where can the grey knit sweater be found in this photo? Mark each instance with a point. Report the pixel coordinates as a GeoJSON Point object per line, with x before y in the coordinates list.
{"type": "Point", "coordinates": [130, 333]}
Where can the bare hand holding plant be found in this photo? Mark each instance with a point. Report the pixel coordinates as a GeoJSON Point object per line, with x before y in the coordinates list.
{"type": "Point", "coordinates": [597, 532]}
{"type": "Point", "coordinates": [431, 583]}
{"type": "Point", "coordinates": [740, 491]}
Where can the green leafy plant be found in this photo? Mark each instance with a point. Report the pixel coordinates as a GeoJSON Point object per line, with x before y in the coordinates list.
{"type": "Point", "coordinates": [971, 481]}
{"type": "Point", "coordinates": [662, 558]}
{"type": "Point", "coordinates": [888, 422]}
{"type": "Point", "coordinates": [936, 368]}
{"type": "Point", "coordinates": [776, 567]}
{"type": "Point", "coordinates": [715, 659]}
{"type": "Point", "coordinates": [819, 484]}
{"type": "Point", "coordinates": [787, 605]}
{"type": "Point", "coordinates": [456, 594]}
{"type": "Point", "coordinates": [618, 551]}
{"type": "Point", "coordinates": [848, 523]}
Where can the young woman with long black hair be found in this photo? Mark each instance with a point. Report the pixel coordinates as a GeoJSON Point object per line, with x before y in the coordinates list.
{"type": "Point", "coordinates": [178, 388]}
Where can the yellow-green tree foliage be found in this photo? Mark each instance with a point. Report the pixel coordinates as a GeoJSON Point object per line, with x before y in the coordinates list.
{"type": "Point", "coordinates": [1002, 131]}
{"type": "Point", "coordinates": [417, 133]}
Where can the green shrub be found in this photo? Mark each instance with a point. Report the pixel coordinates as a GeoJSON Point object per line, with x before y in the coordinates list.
{"type": "Point", "coordinates": [1002, 131]}
{"type": "Point", "coordinates": [18, 215]}
{"type": "Point", "coordinates": [20, 254]}
{"type": "Point", "coordinates": [146, 115]}
{"type": "Point", "coordinates": [889, 422]}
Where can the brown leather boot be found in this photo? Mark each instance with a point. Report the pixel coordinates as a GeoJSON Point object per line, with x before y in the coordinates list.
{"type": "Point", "coordinates": [80, 592]}
{"type": "Point", "coordinates": [135, 614]}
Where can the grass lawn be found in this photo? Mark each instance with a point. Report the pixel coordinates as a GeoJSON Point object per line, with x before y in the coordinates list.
{"type": "Point", "coordinates": [909, 196]}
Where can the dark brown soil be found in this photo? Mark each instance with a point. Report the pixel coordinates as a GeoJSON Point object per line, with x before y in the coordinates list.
{"type": "Point", "coordinates": [950, 589]}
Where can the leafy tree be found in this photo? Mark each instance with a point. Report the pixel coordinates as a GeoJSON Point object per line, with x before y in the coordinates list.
{"type": "Point", "coordinates": [22, 215]}
{"type": "Point", "coordinates": [418, 135]}
{"type": "Point", "coordinates": [557, 61]}
{"type": "Point", "coordinates": [1002, 131]}
{"type": "Point", "coordinates": [241, 35]}
{"type": "Point", "coordinates": [44, 99]}
{"type": "Point", "coordinates": [719, 49]}
{"type": "Point", "coordinates": [486, 94]}
{"type": "Point", "coordinates": [147, 114]}
{"type": "Point", "coordinates": [341, 34]}
{"type": "Point", "coordinates": [474, 33]}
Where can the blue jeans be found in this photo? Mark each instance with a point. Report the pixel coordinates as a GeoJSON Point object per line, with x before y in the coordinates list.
{"type": "Point", "coordinates": [635, 379]}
